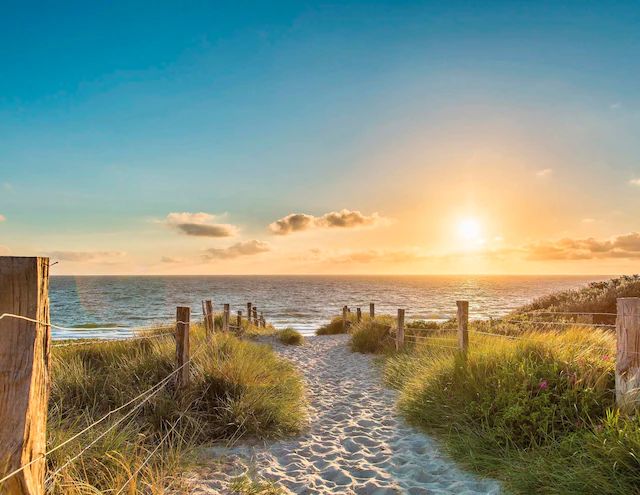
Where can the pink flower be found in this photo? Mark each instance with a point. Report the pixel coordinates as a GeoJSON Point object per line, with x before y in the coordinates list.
{"type": "Point", "coordinates": [572, 379]}
{"type": "Point", "coordinates": [543, 385]}
{"type": "Point", "coordinates": [581, 361]}
{"type": "Point", "coordinates": [606, 358]}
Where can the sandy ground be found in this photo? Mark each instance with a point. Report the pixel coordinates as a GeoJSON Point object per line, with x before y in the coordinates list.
{"type": "Point", "coordinates": [355, 443]}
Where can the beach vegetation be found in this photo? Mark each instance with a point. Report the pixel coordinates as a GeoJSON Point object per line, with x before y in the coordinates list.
{"type": "Point", "coordinates": [239, 389]}
{"type": "Point", "coordinates": [290, 336]}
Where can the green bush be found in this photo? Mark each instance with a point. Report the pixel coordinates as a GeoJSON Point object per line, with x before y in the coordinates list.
{"type": "Point", "coordinates": [535, 412]}
{"type": "Point", "coordinates": [289, 336]}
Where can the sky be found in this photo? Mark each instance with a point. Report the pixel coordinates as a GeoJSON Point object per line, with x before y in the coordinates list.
{"type": "Point", "coordinates": [443, 137]}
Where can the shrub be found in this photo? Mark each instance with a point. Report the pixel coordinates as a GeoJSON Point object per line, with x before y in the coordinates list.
{"type": "Point", "coordinates": [532, 412]}
{"type": "Point", "coordinates": [289, 336]}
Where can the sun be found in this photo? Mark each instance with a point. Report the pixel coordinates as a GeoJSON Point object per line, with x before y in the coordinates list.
{"type": "Point", "coordinates": [469, 229]}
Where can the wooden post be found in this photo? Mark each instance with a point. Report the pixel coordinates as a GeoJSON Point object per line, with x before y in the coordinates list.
{"type": "Point", "coordinates": [249, 313]}
{"type": "Point", "coordinates": [239, 320]}
{"type": "Point", "coordinates": [225, 318]}
{"type": "Point", "coordinates": [463, 325]}
{"type": "Point", "coordinates": [263, 323]}
{"type": "Point", "coordinates": [344, 319]}
{"type": "Point", "coordinates": [210, 321]}
{"type": "Point", "coordinates": [183, 315]}
{"type": "Point", "coordinates": [628, 354]}
{"type": "Point", "coordinates": [372, 310]}
{"type": "Point", "coordinates": [400, 331]}
{"type": "Point", "coordinates": [359, 315]}
{"type": "Point", "coordinates": [24, 373]}
{"type": "Point", "coordinates": [255, 316]}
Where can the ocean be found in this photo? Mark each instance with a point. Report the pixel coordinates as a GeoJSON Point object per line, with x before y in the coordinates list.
{"type": "Point", "coordinates": [302, 302]}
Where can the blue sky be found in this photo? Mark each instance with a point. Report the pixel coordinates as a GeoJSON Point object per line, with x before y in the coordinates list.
{"type": "Point", "coordinates": [115, 114]}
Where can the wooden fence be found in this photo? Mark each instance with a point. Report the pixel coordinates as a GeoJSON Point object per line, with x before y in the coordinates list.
{"type": "Point", "coordinates": [25, 346]}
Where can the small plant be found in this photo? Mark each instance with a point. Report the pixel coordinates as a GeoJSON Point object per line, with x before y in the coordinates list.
{"type": "Point", "coordinates": [373, 337]}
{"type": "Point", "coordinates": [289, 336]}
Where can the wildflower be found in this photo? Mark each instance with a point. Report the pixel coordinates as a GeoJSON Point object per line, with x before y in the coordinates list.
{"type": "Point", "coordinates": [543, 384]}
{"type": "Point", "coordinates": [572, 379]}
{"type": "Point", "coordinates": [581, 361]}
{"type": "Point", "coordinates": [606, 358]}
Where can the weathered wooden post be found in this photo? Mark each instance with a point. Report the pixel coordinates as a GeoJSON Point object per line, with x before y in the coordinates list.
{"type": "Point", "coordinates": [359, 315]}
{"type": "Point", "coordinates": [263, 323]}
{"type": "Point", "coordinates": [628, 354]}
{"type": "Point", "coordinates": [400, 331]}
{"type": "Point", "coordinates": [210, 321]}
{"type": "Point", "coordinates": [24, 373]}
{"type": "Point", "coordinates": [183, 316]}
{"type": "Point", "coordinates": [239, 320]}
{"type": "Point", "coordinates": [344, 319]}
{"type": "Point", "coordinates": [372, 310]}
{"type": "Point", "coordinates": [225, 318]}
{"type": "Point", "coordinates": [463, 325]}
{"type": "Point", "coordinates": [249, 313]}
{"type": "Point", "coordinates": [255, 316]}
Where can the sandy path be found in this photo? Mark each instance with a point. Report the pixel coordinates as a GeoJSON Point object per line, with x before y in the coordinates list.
{"type": "Point", "coordinates": [355, 443]}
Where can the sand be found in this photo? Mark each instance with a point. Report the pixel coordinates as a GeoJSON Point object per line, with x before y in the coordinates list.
{"type": "Point", "coordinates": [355, 443]}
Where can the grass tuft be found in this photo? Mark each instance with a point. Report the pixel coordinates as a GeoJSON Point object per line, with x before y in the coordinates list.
{"type": "Point", "coordinates": [289, 336]}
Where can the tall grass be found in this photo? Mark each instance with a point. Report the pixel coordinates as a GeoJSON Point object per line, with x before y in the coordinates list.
{"type": "Point", "coordinates": [238, 389]}
{"type": "Point", "coordinates": [290, 336]}
{"type": "Point", "coordinates": [537, 412]}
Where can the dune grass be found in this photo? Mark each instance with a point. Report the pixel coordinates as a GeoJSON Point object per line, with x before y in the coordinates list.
{"type": "Point", "coordinates": [238, 389]}
{"type": "Point", "coordinates": [289, 336]}
{"type": "Point", "coordinates": [538, 412]}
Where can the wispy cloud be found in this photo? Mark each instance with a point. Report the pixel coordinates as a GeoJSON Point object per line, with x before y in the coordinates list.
{"type": "Point", "coordinates": [171, 259]}
{"type": "Point", "coordinates": [7, 185]}
{"type": "Point", "coordinates": [2, 218]}
{"type": "Point", "coordinates": [635, 182]}
{"type": "Point", "coordinates": [365, 256]}
{"type": "Point", "coordinates": [345, 219]}
{"type": "Point", "coordinates": [85, 256]}
{"type": "Point", "coordinates": [615, 105]}
{"type": "Point", "coordinates": [4, 251]}
{"type": "Point", "coordinates": [244, 248]}
{"type": "Point", "coordinates": [588, 220]}
{"type": "Point", "coordinates": [544, 172]}
{"type": "Point", "coordinates": [199, 225]}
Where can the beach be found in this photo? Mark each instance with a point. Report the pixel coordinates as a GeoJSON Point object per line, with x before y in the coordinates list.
{"type": "Point", "coordinates": [355, 443]}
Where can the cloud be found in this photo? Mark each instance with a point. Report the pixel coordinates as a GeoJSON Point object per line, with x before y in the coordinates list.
{"type": "Point", "coordinates": [171, 259]}
{"type": "Point", "coordinates": [199, 225]}
{"type": "Point", "coordinates": [621, 246]}
{"type": "Point", "coordinates": [4, 251]}
{"type": "Point", "coordinates": [244, 248]}
{"type": "Point", "coordinates": [7, 185]}
{"type": "Point", "coordinates": [635, 182]}
{"type": "Point", "coordinates": [588, 220]}
{"type": "Point", "coordinates": [2, 218]}
{"type": "Point", "coordinates": [365, 256]}
{"type": "Point", "coordinates": [615, 105]}
{"type": "Point", "coordinates": [345, 219]}
{"type": "Point", "coordinates": [544, 172]}
{"type": "Point", "coordinates": [85, 256]}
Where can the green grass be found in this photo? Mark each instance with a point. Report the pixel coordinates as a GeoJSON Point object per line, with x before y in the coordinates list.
{"type": "Point", "coordinates": [538, 414]}
{"type": "Point", "coordinates": [289, 336]}
{"type": "Point", "coordinates": [373, 336]}
{"type": "Point", "coordinates": [238, 389]}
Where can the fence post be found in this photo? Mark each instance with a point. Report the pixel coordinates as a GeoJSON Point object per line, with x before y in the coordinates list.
{"type": "Point", "coordinates": [359, 315]}
{"type": "Point", "coordinates": [210, 321]}
{"type": "Point", "coordinates": [463, 325]}
{"type": "Point", "coordinates": [255, 315]}
{"type": "Point", "coordinates": [628, 353]}
{"type": "Point", "coordinates": [24, 376]}
{"type": "Point", "coordinates": [372, 310]}
{"type": "Point", "coordinates": [239, 320]}
{"type": "Point", "coordinates": [225, 318]}
{"type": "Point", "coordinates": [400, 330]}
{"type": "Point", "coordinates": [183, 315]}
{"type": "Point", "coordinates": [263, 323]}
{"type": "Point", "coordinates": [344, 319]}
{"type": "Point", "coordinates": [249, 313]}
